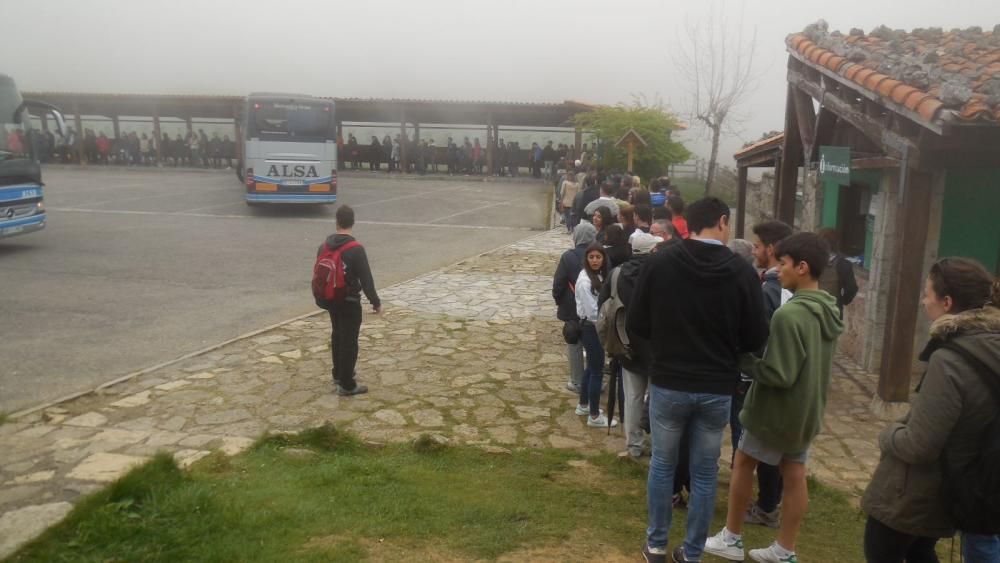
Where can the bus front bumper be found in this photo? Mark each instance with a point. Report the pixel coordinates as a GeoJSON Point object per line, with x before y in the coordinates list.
{"type": "Point", "coordinates": [291, 198]}
{"type": "Point", "coordinates": [22, 225]}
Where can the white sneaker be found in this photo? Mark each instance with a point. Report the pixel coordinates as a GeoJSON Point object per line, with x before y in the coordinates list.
{"type": "Point", "coordinates": [601, 421]}
{"type": "Point", "coordinates": [725, 548]}
{"type": "Point", "coordinates": [770, 555]}
{"type": "Point", "coordinates": [584, 410]}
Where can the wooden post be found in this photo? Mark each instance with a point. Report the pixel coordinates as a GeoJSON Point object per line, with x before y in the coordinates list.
{"type": "Point", "coordinates": [791, 159]}
{"type": "Point", "coordinates": [115, 127]}
{"type": "Point", "coordinates": [578, 141]}
{"type": "Point", "coordinates": [403, 153]}
{"type": "Point", "coordinates": [741, 202]}
{"type": "Point", "coordinates": [905, 286]}
{"type": "Point", "coordinates": [631, 148]}
{"type": "Point", "coordinates": [490, 144]}
{"type": "Point", "coordinates": [238, 128]}
{"type": "Point", "coordinates": [79, 133]}
{"type": "Point", "coordinates": [157, 136]}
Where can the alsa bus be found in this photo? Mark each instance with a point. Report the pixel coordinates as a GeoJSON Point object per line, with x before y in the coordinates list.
{"type": "Point", "coordinates": [21, 207]}
{"type": "Point", "coordinates": [289, 149]}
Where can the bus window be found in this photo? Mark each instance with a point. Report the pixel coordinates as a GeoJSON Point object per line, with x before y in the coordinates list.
{"type": "Point", "coordinates": [276, 121]}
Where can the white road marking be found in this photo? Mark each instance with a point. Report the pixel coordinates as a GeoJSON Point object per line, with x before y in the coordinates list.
{"type": "Point", "coordinates": [297, 219]}
{"type": "Point", "coordinates": [410, 196]}
{"type": "Point", "coordinates": [470, 211]}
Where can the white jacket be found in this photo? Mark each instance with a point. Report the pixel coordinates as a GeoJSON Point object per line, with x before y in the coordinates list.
{"type": "Point", "coordinates": [586, 302]}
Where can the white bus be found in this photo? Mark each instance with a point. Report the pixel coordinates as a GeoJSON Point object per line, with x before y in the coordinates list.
{"type": "Point", "coordinates": [289, 149]}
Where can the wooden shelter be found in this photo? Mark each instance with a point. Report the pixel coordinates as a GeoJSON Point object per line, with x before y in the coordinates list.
{"type": "Point", "coordinates": [630, 140]}
{"type": "Point", "coordinates": [920, 114]}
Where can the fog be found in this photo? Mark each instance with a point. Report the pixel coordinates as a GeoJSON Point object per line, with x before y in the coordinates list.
{"type": "Point", "coordinates": [598, 52]}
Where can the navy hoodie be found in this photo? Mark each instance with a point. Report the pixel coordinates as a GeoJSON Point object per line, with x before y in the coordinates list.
{"type": "Point", "coordinates": [700, 306]}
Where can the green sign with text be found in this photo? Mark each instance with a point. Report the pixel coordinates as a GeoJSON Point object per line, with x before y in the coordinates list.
{"type": "Point", "coordinates": [835, 165]}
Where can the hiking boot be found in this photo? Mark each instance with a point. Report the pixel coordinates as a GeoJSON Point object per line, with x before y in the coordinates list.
{"type": "Point", "coordinates": [601, 421]}
{"type": "Point", "coordinates": [678, 556]}
{"type": "Point", "coordinates": [358, 390]}
{"type": "Point", "coordinates": [654, 554]}
{"type": "Point", "coordinates": [757, 516]}
{"type": "Point", "coordinates": [731, 549]}
{"type": "Point", "coordinates": [770, 554]}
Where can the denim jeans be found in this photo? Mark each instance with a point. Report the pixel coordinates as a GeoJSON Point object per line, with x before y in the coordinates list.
{"type": "Point", "coordinates": [575, 354]}
{"type": "Point", "coordinates": [980, 549]}
{"type": "Point", "coordinates": [704, 416]}
{"type": "Point", "coordinates": [635, 391]}
{"type": "Point", "coordinates": [593, 375]}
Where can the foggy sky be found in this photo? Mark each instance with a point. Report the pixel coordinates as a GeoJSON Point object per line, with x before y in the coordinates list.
{"type": "Point", "coordinates": [513, 50]}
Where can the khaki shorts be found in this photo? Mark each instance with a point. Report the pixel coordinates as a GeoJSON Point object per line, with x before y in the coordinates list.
{"type": "Point", "coordinates": [756, 449]}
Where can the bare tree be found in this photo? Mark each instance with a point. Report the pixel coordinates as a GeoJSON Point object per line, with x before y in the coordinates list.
{"type": "Point", "coordinates": [716, 61]}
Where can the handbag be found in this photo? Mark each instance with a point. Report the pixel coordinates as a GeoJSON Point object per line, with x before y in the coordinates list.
{"type": "Point", "coordinates": [572, 332]}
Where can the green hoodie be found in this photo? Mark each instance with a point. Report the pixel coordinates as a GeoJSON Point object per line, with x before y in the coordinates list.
{"type": "Point", "coordinates": [784, 407]}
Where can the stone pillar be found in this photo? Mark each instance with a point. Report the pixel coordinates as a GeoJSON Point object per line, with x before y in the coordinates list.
{"type": "Point", "coordinates": [812, 207]}
{"type": "Point", "coordinates": [741, 202]}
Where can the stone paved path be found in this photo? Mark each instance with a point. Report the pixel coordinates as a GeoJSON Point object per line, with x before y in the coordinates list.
{"type": "Point", "coordinates": [472, 353]}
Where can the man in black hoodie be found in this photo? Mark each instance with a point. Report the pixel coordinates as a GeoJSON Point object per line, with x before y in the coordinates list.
{"type": "Point", "coordinates": [700, 306]}
{"type": "Point", "coordinates": [345, 316]}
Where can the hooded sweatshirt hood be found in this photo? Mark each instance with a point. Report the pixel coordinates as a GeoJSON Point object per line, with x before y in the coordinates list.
{"type": "Point", "coordinates": [709, 263]}
{"type": "Point", "coordinates": [584, 234]}
{"type": "Point", "coordinates": [335, 240]}
{"type": "Point", "coordinates": [976, 330]}
{"type": "Point", "coordinates": [823, 307]}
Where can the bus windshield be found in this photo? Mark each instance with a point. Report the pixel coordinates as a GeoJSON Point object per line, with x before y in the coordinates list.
{"type": "Point", "coordinates": [284, 120]}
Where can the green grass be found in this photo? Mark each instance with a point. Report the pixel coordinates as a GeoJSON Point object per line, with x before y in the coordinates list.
{"type": "Point", "coordinates": [349, 502]}
{"type": "Point", "coordinates": [693, 189]}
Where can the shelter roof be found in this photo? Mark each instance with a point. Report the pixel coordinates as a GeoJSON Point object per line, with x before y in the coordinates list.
{"type": "Point", "coordinates": [761, 152]}
{"type": "Point", "coordinates": [951, 76]}
{"type": "Point", "coordinates": [389, 110]}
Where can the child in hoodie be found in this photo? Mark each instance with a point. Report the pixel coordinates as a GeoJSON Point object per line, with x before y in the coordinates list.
{"type": "Point", "coordinates": [784, 408]}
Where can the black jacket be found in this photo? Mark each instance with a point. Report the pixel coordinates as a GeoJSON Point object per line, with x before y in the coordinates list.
{"type": "Point", "coordinates": [567, 272]}
{"type": "Point", "coordinates": [771, 288]}
{"type": "Point", "coordinates": [357, 272]}
{"type": "Point", "coordinates": [628, 275]}
{"type": "Point", "coordinates": [584, 197]}
{"type": "Point", "coordinates": [700, 306]}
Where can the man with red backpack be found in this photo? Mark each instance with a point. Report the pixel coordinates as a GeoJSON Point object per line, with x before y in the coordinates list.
{"type": "Point", "coordinates": [340, 275]}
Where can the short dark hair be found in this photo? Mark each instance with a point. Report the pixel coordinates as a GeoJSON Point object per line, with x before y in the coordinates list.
{"type": "Point", "coordinates": [641, 196]}
{"type": "Point", "coordinates": [345, 217]}
{"type": "Point", "coordinates": [614, 235]}
{"type": "Point", "coordinates": [607, 188]}
{"type": "Point", "coordinates": [705, 214]}
{"type": "Point", "coordinates": [772, 232]}
{"type": "Point", "coordinates": [805, 247]}
{"type": "Point", "coordinates": [676, 204]}
{"type": "Point", "coordinates": [644, 213]}
{"type": "Point", "coordinates": [660, 212]}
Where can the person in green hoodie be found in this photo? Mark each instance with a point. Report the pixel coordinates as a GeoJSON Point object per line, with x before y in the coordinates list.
{"type": "Point", "coordinates": [783, 410]}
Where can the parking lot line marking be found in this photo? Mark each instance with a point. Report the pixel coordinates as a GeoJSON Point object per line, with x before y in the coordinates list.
{"type": "Point", "coordinates": [298, 219]}
{"type": "Point", "coordinates": [474, 209]}
{"type": "Point", "coordinates": [410, 196]}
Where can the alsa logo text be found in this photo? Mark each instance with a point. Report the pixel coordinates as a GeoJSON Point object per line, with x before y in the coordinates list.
{"type": "Point", "coordinates": [293, 171]}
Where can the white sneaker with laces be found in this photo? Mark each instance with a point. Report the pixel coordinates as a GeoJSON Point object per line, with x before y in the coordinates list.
{"type": "Point", "coordinates": [770, 554]}
{"type": "Point", "coordinates": [726, 547]}
{"type": "Point", "coordinates": [601, 421]}
{"type": "Point", "coordinates": [584, 410]}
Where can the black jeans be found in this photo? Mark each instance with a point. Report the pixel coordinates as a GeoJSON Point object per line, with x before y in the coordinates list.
{"type": "Point", "coordinates": [885, 545]}
{"type": "Point", "coordinates": [345, 321]}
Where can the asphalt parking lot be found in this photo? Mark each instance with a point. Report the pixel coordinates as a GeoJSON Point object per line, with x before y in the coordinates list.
{"type": "Point", "coordinates": [137, 267]}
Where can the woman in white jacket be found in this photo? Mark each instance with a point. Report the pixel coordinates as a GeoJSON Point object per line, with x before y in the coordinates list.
{"type": "Point", "coordinates": [588, 287]}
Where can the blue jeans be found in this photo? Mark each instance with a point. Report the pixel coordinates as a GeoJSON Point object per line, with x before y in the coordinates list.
{"type": "Point", "coordinates": [704, 416]}
{"type": "Point", "coordinates": [593, 375]}
{"type": "Point", "coordinates": [980, 549]}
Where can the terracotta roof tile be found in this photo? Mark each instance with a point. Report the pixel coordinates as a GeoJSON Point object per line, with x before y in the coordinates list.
{"type": "Point", "coordinates": [909, 68]}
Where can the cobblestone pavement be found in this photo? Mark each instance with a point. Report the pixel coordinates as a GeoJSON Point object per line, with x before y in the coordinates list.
{"type": "Point", "coordinates": [472, 353]}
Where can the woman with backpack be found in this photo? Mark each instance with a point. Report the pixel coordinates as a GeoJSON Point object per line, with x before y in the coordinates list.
{"type": "Point", "coordinates": [588, 287]}
{"type": "Point", "coordinates": [927, 478]}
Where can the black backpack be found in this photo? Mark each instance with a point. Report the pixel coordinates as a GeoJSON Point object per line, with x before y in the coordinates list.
{"type": "Point", "coordinates": [974, 489]}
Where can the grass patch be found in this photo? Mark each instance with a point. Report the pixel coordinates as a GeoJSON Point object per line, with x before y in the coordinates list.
{"type": "Point", "coordinates": [323, 496]}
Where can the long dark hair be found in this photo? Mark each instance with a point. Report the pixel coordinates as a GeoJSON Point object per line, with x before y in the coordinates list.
{"type": "Point", "coordinates": [596, 280]}
{"type": "Point", "coordinates": [966, 281]}
{"type": "Point", "coordinates": [606, 218]}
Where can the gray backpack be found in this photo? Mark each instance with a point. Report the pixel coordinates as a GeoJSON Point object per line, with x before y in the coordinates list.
{"type": "Point", "coordinates": [611, 322]}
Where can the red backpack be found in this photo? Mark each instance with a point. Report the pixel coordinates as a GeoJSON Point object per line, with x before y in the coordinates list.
{"type": "Point", "coordinates": [329, 284]}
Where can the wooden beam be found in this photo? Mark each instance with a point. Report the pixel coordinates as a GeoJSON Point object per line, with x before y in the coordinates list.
{"type": "Point", "coordinates": [905, 285]}
{"type": "Point", "coordinates": [490, 144]}
{"type": "Point", "coordinates": [893, 143]}
{"type": "Point", "coordinates": [157, 138]}
{"type": "Point", "coordinates": [805, 114]}
{"type": "Point", "coordinates": [791, 160]}
{"type": "Point", "coordinates": [79, 134]}
{"type": "Point", "coordinates": [741, 201]}
{"type": "Point", "coordinates": [826, 125]}
{"type": "Point", "coordinates": [764, 158]}
{"type": "Point", "coordinates": [878, 162]}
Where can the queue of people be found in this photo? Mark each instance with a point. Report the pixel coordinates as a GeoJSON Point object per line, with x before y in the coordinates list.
{"type": "Point", "coordinates": [468, 158]}
{"type": "Point", "coordinates": [724, 332]}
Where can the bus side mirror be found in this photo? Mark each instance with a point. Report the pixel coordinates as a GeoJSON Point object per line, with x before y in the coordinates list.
{"type": "Point", "coordinates": [42, 107]}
